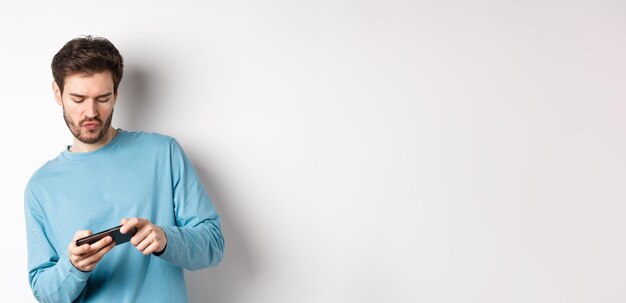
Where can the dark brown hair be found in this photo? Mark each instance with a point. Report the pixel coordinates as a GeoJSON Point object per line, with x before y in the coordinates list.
{"type": "Point", "coordinates": [87, 55]}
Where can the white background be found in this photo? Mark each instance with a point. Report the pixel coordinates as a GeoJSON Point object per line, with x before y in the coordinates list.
{"type": "Point", "coordinates": [359, 151]}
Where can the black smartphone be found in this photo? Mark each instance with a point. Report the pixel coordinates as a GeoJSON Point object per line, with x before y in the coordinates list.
{"type": "Point", "coordinates": [114, 232]}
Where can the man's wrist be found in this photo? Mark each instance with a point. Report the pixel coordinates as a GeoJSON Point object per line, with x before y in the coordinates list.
{"type": "Point", "coordinates": [158, 253]}
{"type": "Point", "coordinates": [69, 266]}
{"type": "Point", "coordinates": [69, 258]}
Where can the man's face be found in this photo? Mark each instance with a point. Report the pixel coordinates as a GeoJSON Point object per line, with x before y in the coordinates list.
{"type": "Point", "coordinates": [87, 102]}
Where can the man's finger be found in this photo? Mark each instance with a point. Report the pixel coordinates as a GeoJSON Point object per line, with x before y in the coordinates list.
{"type": "Point", "coordinates": [73, 249]}
{"type": "Point", "coordinates": [86, 250]}
{"type": "Point", "coordinates": [152, 248]}
{"type": "Point", "coordinates": [129, 224]}
{"type": "Point", "coordinates": [94, 258]}
{"type": "Point", "coordinates": [101, 243]}
{"type": "Point", "coordinates": [82, 233]}
{"type": "Point", "coordinates": [140, 236]}
{"type": "Point", "coordinates": [89, 263]}
{"type": "Point", "coordinates": [143, 244]}
{"type": "Point", "coordinates": [79, 250]}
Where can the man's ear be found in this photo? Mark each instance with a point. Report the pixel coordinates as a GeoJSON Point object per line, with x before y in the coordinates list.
{"type": "Point", "coordinates": [57, 92]}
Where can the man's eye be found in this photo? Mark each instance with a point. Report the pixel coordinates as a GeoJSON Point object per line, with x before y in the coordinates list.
{"type": "Point", "coordinates": [78, 101]}
{"type": "Point", "coordinates": [103, 100]}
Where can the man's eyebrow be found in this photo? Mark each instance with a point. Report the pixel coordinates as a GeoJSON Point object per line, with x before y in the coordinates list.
{"type": "Point", "coordinates": [83, 96]}
{"type": "Point", "coordinates": [104, 95]}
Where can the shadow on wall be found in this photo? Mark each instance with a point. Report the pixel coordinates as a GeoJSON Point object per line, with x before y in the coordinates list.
{"type": "Point", "coordinates": [237, 269]}
{"type": "Point", "coordinates": [136, 110]}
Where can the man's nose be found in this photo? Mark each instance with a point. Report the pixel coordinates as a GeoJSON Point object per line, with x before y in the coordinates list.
{"type": "Point", "coordinates": [91, 111]}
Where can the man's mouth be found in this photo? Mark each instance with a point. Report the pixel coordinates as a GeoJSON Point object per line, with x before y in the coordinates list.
{"type": "Point", "coordinates": [90, 125]}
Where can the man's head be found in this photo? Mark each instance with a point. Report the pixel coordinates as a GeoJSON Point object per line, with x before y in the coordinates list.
{"type": "Point", "coordinates": [87, 55]}
{"type": "Point", "coordinates": [87, 73]}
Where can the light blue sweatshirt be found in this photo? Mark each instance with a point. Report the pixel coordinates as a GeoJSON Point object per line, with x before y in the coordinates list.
{"type": "Point", "coordinates": [135, 175]}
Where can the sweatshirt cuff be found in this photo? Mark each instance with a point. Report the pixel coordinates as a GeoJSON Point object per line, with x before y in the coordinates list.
{"type": "Point", "coordinates": [172, 236]}
{"type": "Point", "coordinates": [67, 266]}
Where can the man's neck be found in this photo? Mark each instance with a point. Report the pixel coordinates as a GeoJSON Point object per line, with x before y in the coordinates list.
{"type": "Point", "coordinates": [80, 147]}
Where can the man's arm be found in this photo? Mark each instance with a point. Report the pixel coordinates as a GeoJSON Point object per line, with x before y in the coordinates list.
{"type": "Point", "coordinates": [196, 240]}
{"type": "Point", "coordinates": [52, 277]}
{"type": "Point", "coordinates": [55, 278]}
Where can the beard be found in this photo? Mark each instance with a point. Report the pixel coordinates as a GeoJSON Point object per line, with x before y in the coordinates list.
{"type": "Point", "coordinates": [88, 137]}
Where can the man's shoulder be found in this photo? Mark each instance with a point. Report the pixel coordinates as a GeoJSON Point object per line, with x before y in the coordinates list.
{"type": "Point", "coordinates": [145, 137]}
{"type": "Point", "coordinates": [50, 169]}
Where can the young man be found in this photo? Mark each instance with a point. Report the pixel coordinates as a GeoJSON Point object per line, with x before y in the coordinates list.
{"type": "Point", "coordinates": [109, 177]}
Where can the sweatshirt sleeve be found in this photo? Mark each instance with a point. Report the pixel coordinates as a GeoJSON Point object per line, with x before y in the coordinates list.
{"type": "Point", "coordinates": [196, 241]}
{"type": "Point", "coordinates": [52, 277]}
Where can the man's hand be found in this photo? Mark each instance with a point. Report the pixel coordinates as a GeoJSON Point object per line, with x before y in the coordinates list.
{"type": "Point", "coordinates": [86, 256]}
{"type": "Point", "coordinates": [149, 237]}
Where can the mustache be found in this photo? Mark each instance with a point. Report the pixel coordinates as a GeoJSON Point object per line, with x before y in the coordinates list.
{"type": "Point", "coordinates": [96, 119]}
